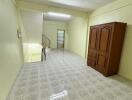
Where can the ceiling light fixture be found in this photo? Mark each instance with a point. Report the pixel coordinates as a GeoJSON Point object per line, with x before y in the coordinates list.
{"type": "Point", "coordinates": [59, 15]}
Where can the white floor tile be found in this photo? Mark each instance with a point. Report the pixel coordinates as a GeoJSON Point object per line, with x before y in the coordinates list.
{"type": "Point", "coordinates": [66, 71]}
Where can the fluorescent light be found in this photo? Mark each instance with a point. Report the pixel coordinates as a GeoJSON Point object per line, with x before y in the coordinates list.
{"type": "Point", "coordinates": [59, 15]}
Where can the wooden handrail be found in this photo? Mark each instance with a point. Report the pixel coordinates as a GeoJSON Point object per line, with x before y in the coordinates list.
{"type": "Point", "coordinates": [45, 39]}
{"type": "Point", "coordinates": [44, 45]}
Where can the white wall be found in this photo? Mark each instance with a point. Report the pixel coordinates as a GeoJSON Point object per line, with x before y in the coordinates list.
{"type": "Point", "coordinates": [33, 23]}
{"type": "Point", "coordinates": [11, 56]}
{"type": "Point", "coordinates": [50, 30]}
{"type": "Point", "coordinates": [77, 35]}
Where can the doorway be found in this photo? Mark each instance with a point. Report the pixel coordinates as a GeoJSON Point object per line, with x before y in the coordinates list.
{"type": "Point", "coordinates": [60, 38]}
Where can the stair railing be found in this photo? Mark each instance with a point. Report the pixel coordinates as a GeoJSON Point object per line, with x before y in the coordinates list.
{"type": "Point", "coordinates": [45, 43]}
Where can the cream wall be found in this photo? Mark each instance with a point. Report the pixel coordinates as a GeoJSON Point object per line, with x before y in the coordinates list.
{"type": "Point", "coordinates": [21, 26]}
{"type": "Point", "coordinates": [24, 35]}
{"type": "Point", "coordinates": [11, 58]}
{"type": "Point", "coordinates": [77, 35]}
{"type": "Point", "coordinates": [32, 22]}
{"type": "Point", "coordinates": [119, 10]}
{"type": "Point", "coordinates": [50, 30]}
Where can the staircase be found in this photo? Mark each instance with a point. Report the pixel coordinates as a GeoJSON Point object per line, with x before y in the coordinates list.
{"type": "Point", "coordinates": [45, 46]}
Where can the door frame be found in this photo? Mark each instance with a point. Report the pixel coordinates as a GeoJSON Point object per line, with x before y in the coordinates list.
{"type": "Point", "coordinates": [64, 36]}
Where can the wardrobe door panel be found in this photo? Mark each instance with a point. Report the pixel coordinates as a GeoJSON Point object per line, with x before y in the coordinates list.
{"type": "Point", "coordinates": [92, 58]}
{"type": "Point", "coordinates": [93, 38]}
{"type": "Point", "coordinates": [101, 61]}
{"type": "Point", "coordinates": [92, 53]}
{"type": "Point", "coordinates": [104, 41]}
{"type": "Point", "coordinates": [91, 62]}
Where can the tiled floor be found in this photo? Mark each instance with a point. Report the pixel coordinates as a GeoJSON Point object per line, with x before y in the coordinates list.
{"type": "Point", "coordinates": [65, 76]}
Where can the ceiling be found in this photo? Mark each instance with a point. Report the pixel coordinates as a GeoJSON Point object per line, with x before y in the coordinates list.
{"type": "Point", "coordinates": [83, 5]}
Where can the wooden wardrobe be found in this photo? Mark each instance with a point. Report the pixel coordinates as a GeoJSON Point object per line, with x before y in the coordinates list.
{"type": "Point", "coordinates": [105, 46]}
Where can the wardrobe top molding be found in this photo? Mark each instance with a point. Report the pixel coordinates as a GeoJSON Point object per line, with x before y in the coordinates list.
{"type": "Point", "coordinates": [107, 23]}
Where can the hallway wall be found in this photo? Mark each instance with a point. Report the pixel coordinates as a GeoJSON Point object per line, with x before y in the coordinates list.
{"type": "Point", "coordinates": [11, 56]}
{"type": "Point", "coordinates": [32, 24]}
{"type": "Point", "coordinates": [119, 10]}
{"type": "Point", "coordinates": [24, 35]}
{"type": "Point", "coordinates": [77, 35]}
{"type": "Point", "coordinates": [32, 21]}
